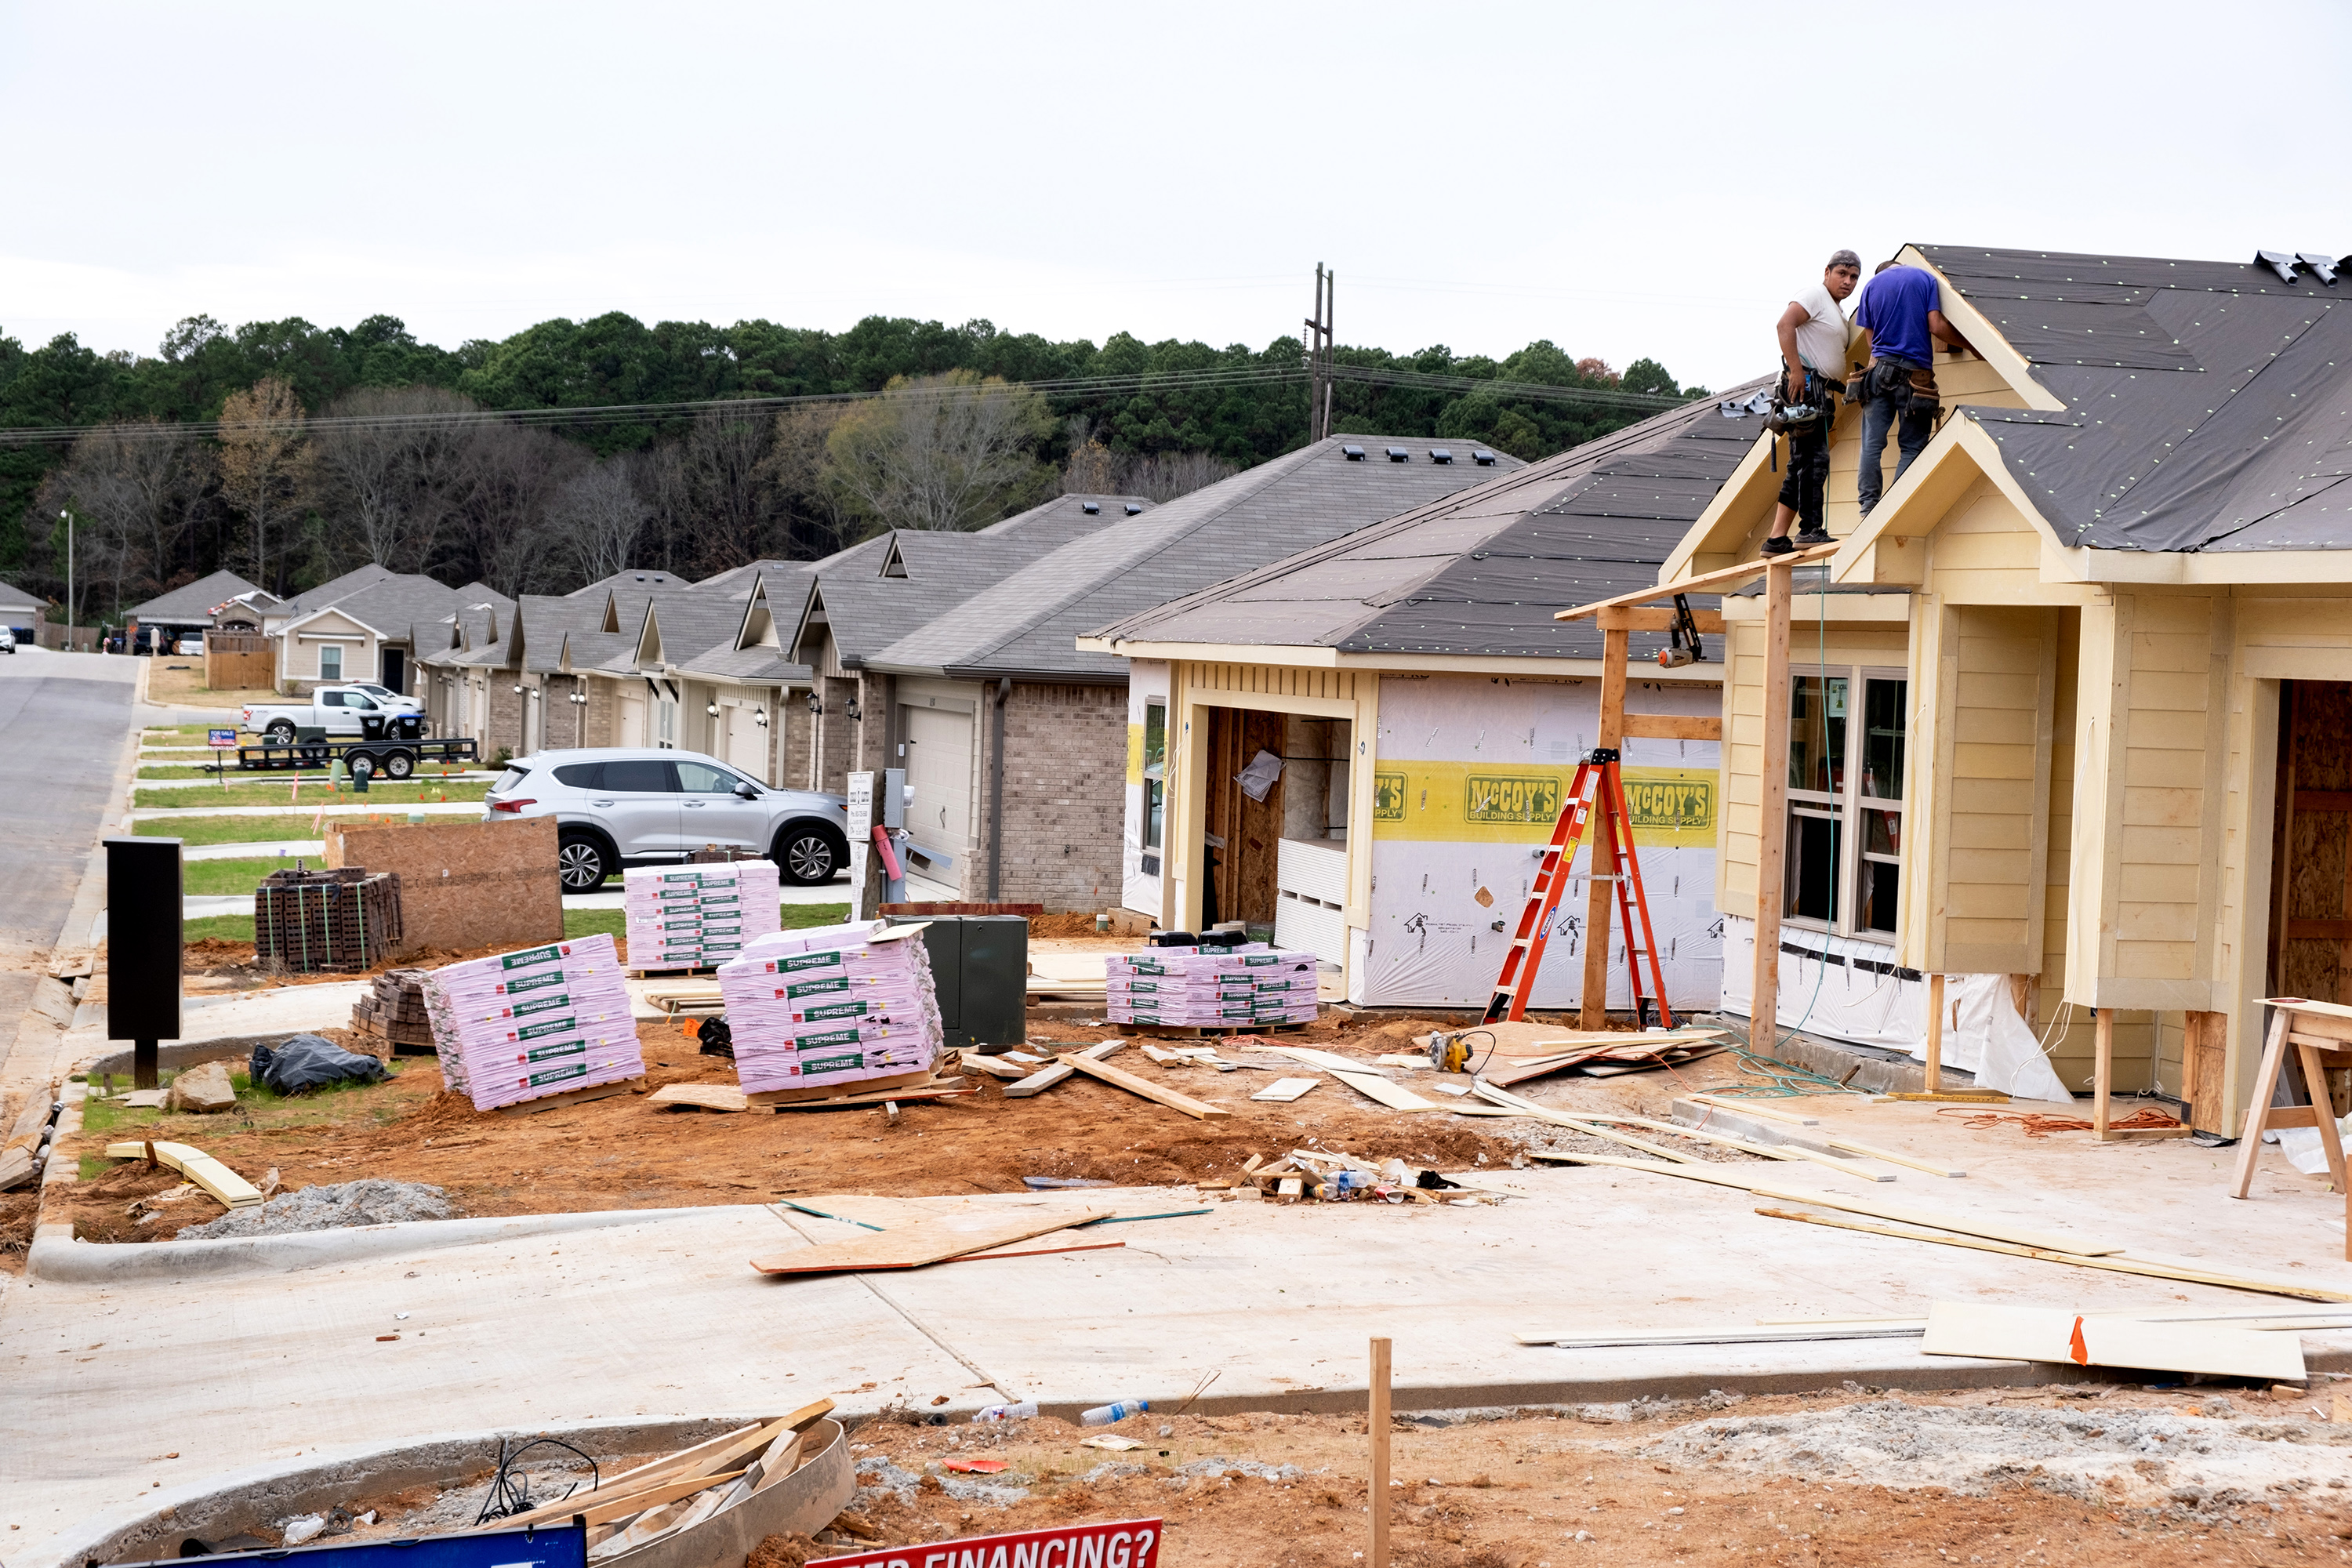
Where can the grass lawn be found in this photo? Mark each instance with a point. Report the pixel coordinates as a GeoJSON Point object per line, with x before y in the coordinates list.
{"type": "Point", "coordinates": [218, 928]}
{"type": "Point", "coordinates": [424, 791]}
{"type": "Point", "coordinates": [178, 734]}
{"type": "Point", "coordinates": [257, 1107]}
{"type": "Point", "coordinates": [207, 878]}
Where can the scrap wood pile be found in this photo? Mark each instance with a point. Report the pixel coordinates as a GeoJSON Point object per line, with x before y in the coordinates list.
{"type": "Point", "coordinates": [342, 920]}
{"type": "Point", "coordinates": [667, 1497]}
{"type": "Point", "coordinates": [1333, 1175]}
{"type": "Point", "coordinates": [395, 1011]}
{"type": "Point", "coordinates": [1507, 1054]}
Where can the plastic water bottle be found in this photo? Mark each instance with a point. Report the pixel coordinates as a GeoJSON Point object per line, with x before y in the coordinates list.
{"type": "Point", "coordinates": [1104, 1414]}
{"type": "Point", "coordinates": [1020, 1412]}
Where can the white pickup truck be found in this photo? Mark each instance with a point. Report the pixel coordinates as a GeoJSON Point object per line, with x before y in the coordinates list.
{"type": "Point", "coordinates": [337, 710]}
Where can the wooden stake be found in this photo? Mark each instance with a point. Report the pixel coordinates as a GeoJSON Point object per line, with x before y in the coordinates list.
{"type": "Point", "coordinates": [1935, 1071]}
{"type": "Point", "coordinates": [1772, 824]}
{"type": "Point", "coordinates": [1377, 1425]}
{"type": "Point", "coordinates": [2103, 1072]}
{"type": "Point", "coordinates": [1601, 891]}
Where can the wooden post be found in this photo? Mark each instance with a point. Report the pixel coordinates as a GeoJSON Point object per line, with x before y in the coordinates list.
{"type": "Point", "coordinates": [1934, 1069]}
{"type": "Point", "coordinates": [1601, 891]}
{"type": "Point", "coordinates": [1772, 809]}
{"type": "Point", "coordinates": [2249, 1134]}
{"type": "Point", "coordinates": [2103, 1071]}
{"type": "Point", "coordinates": [1376, 1425]}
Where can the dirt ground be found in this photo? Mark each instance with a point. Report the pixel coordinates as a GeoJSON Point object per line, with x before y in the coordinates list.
{"type": "Point", "coordinates": [1841, 1478]}
{"type": "Point", "coordinates": [621, 1152]}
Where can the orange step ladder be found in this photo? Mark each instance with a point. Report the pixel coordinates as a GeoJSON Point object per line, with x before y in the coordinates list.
{"type": "Point", "coordinates": [1599, 787]}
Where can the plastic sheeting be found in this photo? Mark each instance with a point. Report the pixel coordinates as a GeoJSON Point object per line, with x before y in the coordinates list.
{"type": "Point", "coordinates": [1840, 988]}
{"type": "Point", "coordinates": [1469, 774]}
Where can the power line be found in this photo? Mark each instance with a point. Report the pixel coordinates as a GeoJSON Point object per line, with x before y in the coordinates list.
{"type": "Point", "coordinates": [606, 415]}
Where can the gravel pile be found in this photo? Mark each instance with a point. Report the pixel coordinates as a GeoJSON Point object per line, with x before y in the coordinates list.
{"type": "Point", "coordinates": [370, 1201]}
{"type": "Point", "coordinates": [2144, 1456]}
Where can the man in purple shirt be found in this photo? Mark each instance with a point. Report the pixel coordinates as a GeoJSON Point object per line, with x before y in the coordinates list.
{"type": "Point", "coordinates": [1901, 324]}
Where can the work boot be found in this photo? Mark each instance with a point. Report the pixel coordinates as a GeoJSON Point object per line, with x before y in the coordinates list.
{"type": "Point", "coordinates": [1809, 537]}
{"type": "Point", "coordinates": [1779, 546]}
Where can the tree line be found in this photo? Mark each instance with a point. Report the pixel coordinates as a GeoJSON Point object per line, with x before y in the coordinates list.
{"type": "Point", "coordinates": [531, 463]}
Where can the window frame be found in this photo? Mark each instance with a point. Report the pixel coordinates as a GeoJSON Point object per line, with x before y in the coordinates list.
{"type": "Point", "coordinates": [1155, 780]}
{"type": "Point", "coordinates": [336, 674]}
{"type": "Point", "coordinates": [1846, 805]}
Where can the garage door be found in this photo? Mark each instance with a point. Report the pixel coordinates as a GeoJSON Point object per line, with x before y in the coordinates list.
{"type": "Point", "coordinates": [939, 771]}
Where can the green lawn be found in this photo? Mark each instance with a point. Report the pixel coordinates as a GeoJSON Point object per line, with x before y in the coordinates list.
{"type": "Point", "coordinates": [257, 1106]}
{"type": "Point", "coordinates": [228, 829]}
{"type": "Point", "coordinates": [277, 794]}
{"type": "Point", "coordinates": [218, 928]}
{"type": "Point", "coordinates": [179, 731]}
{"type": "Point", "coordinates": [216, 877]}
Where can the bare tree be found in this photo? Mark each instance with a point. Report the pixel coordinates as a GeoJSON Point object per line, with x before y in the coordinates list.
{"type": "Point", "coordinates": [596, 519]}
{"type": "Point", "coordinates": [265, 464]}
{"type": "Point", "coordinates": [512, 477]}
{"type": "Point", "coordinates": [133, 488]}
{"type": "Point", "coordinates": [1095, 469]}
{"type": "Point", "coordinates": [390, 482]}
{"type": "Point", "coordinates": [713, 489]}
{"type": "Point", "coordinates": [945, 452]}
{"type": "Point", "coordinates": [812, 520]}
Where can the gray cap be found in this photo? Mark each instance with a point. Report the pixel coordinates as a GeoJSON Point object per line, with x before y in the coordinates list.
{"type": "Point", "coordinates": [1843, 258]}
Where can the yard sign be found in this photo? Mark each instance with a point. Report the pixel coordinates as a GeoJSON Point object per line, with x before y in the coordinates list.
{"type": "Point", "coordinates": [1125, 1543]}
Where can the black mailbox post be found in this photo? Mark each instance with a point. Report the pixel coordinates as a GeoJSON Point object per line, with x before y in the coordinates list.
{"type": "Point", "coordinates": [142, 948]}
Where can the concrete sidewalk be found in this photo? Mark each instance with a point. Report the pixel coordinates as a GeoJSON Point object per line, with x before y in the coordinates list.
{"type": "Point", "coordinates": [665, 1316]}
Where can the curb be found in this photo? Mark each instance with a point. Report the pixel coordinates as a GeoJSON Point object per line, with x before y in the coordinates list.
{"type": "Point", "coordinates": [57, 1258]}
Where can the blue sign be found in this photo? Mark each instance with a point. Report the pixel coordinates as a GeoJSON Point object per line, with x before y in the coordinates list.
{"type": "Point", "coordinates": [549, 1546]}
{"type": "Point", "coordinates": [221, 739]}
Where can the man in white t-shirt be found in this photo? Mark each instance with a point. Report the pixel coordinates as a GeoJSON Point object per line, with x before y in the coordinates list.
{"type": "Point", "coordinates": [1812, 333]}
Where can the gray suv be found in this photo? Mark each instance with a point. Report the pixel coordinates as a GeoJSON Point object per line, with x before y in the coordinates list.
{"type": "Point", "coordinates": [617, 804]}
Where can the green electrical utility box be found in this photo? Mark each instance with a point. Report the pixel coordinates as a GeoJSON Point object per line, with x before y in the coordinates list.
{"type": "Point", "coordinates": [980, 965]}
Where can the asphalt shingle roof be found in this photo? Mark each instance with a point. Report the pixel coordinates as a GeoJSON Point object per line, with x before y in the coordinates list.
{"type": "Point", "coordinates": [1481, 572]}
{"type": "Point", "coordinates": [1029, 623]}
{"type": "Point", "coordinates": [2208, 404]}
{"type": "Point", "coordinates": [193, 601]}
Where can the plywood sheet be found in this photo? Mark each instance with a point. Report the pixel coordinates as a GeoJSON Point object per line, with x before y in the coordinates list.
{"type": "Point", "coordinates": [2054, 1334]}
{"type": "Point", "coordinates": [464, 885]}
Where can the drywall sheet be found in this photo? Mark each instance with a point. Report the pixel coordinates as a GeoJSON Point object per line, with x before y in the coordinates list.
{"type": "Point", "coordinates": [1842, 988]}
{"type": "Point", "coordinates": [1140, 888]}
{"type": "Point", "coordinates": [1469, 775]}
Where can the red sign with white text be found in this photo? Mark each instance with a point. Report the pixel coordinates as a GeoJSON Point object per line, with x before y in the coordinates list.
{"type": "Point", "coordinates": [1127, 1544]}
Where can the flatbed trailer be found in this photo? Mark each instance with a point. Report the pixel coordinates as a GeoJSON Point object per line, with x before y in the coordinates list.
{"type": "Point", "coordinates": [395, 759]}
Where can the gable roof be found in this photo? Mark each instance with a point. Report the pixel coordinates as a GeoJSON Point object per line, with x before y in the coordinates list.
{"type": "Point", "coordinates": [640, 577]}
{"type": "Point", "coordinates": [13, 599]}
{"type": "Point", "coordinates": [1480, 571]}
{"type": "Point", "coordinates": [2208, 405]}
{"type": "Point", "coordinates": [1029, 623]}
{"type": "Point", "coordinates": [193, 601]}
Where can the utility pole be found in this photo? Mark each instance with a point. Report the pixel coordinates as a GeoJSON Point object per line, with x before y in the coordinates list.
{"type": "Point", "coordinates": [71, 617]}
{"type": "Point", "coordinates": [1319, 356]}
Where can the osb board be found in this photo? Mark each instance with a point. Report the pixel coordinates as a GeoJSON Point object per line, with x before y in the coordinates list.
{"type": "Point", "coordinates": [466, 885]}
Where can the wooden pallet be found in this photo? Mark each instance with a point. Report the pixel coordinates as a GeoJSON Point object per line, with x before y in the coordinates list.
{"type": "Point", "coordinates": [1203, 1031]}
{"type": "Point", "coordinates": [690, 969]}
{"type": "Point", "coordinates": [574, 1097]}
{"type": "Point", "coordinates": [855, 1087]}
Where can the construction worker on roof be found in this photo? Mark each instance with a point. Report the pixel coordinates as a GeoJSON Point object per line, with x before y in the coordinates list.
{"type": "Point", "coordinates": [1813, 333]}
{"type": "Point", "coordinates": [1900, 316]}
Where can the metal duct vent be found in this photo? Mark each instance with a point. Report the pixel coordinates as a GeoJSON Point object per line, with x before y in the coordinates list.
{"type": "Point", "coordinates": [1398, 455]}
{"type": "Point", "coordinates": [1482, 457]}
{"type": "Point", "coordinates": [1092, 509]}
{"type": "Point", "coordinates": [1440, 455]}
{"type": "Point", "coordinates": [1353, 454]}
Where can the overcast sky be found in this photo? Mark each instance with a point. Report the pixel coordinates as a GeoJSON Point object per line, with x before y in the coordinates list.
{"type": "Point", "coordinates": [1625, 180]}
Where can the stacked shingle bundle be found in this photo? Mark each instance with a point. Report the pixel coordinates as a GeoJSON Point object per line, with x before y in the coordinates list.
{"type": "Point", "coordinates": [832, 1004]}
{"type": "Point", "coordinates": [685, 917]}
{"type": "Point", "coordinates": [1244, 987]}
{"type": "Point", "coordinates": [523, 1025]}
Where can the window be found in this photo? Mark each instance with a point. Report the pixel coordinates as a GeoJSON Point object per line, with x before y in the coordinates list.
{"type": "Point", "coordinates": [1845, 800]}
{"type": "Point", "coordinates": [329, 698]}
{"type": "Point", "coordinates": [582, 775]}
{"type": "Point", "coordinates": [330, 662]}
{"type": "Point", "coordinates": [638, 776]}
{"type": "Point", "coordinates": [701, 778]}
{"type": "Point", "coordinates": [1155, 773]}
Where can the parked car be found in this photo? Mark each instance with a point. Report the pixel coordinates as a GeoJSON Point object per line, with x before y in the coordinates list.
{"type": "Point", "coordinates": [189, 648]}
{"type": "Point", "coordinates": [389, 699]}
{"type": "Point", "coordinates": [618, 804]}
{"type": "Point", "coordinates": [337, 710]}
{"type": "Point", "coordinates": [7, 640]}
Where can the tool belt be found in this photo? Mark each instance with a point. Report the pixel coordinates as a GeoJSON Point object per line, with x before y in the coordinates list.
{"type": "Point", "coordinates": [1911, 386]}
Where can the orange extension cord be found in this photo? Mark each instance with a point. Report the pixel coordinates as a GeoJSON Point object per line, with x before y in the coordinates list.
{"type": "Point", "coordinates": [2037, 1125]}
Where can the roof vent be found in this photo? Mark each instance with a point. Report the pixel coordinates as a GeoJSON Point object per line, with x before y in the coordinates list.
{"type": "Point", "coordinates": [1398, 455]}
{"type": "Point", "coordinates": [1482, 457]}
{"type": "Point", "coordinates": [1092, 509]}
{"type": "Point", "coordinates": [2322, 267]}
{"type": "Point", "coordinates": [1440, 455]}
{"type": "Point", "coordinates": [1134, 509]}
{"type": "Point", "coordinates": [2278, 261]}
{"type": "Point", "coordinates": [1353, 454]}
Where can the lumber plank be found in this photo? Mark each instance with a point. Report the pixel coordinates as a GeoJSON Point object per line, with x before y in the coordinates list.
{"type": "Point", "coordinates": [2115, 1264]}
{"type": "Point", "coordinates": [1373, 1087]}
{"type": "Point", "coordinates": [1731, 1334]}
{"type": "Point", "coordinates": [1672, 727]}
{"type": "Point", "coordinates": [2054, 1334]}
{"type": "Point", "coordinates": [1699, 1135]}
{"type": "Point", "coordinates": [1283, 1090]}
{"type": "Point", "coordinates": [994, 1067]}
{"type": "Point", "coordinates": [701, 1096]}
{"type": "Point", "coordinates": [1512, 1105]}
{"type": "Point", "coordinates": [1046, 1077]}
{"type": "Point", "coordinates": [842, 1090]}
{"type": "Point", "coordinates": [935, 1088]}
{"type": "Point", "coordinates": [230, 1189]}
{"type": "Point", "coordinates": [572, 1097]}
{"type": "Point", "coordinates": [782, 1458]}
{"type": "Point", "coordinates": [1329, 1061]}
{"type": "Point", "coordinates": [1661, 619]}
{"type": "Point", "coordinates": [1707, 581]}
{"type": "Point", "coordinates": [652, 1497]}
{"type": "Point", "coordinates": [913, 1245]}
{"type": "Point", "coordinates": [1873, 1151]}
{"type": "Point", "coordinates": [1119, 1078]}
{"type": "Point", "coordinates": [1751, 1107]}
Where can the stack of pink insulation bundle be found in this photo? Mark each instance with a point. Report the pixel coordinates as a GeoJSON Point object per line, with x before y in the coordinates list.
{"type": "Point", "coordinates": [523, 1025]}
{"type": "Point", "coordinates": [831, 1006]}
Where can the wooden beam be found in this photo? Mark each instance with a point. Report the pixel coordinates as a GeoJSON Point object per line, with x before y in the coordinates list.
{"type": "Point", "coordinates": [1600, 885]}
{"type": "Point", "coordinates": [2103, 1071]}
{"type": "Point", "coordinates": [1046, 1077]}
{"type": "Point", "coordinates": [1709, 582]}
{"type": "Point", "coordinates": [1376, 1429]}
{"type": "Point", "coordinates": [1119, 1078]}
{"type": "Point", "coordinates": [1773, 826]}
{"type": "Point", "coordinates": [1624, 619]}
{"type": "Point", "coordinates": [1683, 727]}
{"type": "Point", "coordinates": [1932, 1074]}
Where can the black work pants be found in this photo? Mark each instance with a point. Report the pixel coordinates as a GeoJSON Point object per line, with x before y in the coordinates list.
{"type": "Point", "coordinates": [1809, 474]}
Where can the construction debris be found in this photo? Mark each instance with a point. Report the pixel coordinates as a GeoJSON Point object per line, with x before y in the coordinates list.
{"type": "Point", "coordinates": [2048, 1335]}
{"type": "Point", "coordinates": [1331, 1176]}
{"type": "Point", "coordinates": [369, 1201]}
{"type": "Point", "coordinates": [231, 1190]}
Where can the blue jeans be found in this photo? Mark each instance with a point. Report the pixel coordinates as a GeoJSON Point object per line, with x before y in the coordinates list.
{"type": "Point", "coordinates": [1878, 415]}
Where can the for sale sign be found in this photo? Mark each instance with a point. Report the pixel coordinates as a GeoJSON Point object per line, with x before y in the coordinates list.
{"type": "Point", "coordinates": [1128, 1543]}
{"type": "Point", "coordinates": [221, 740]}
